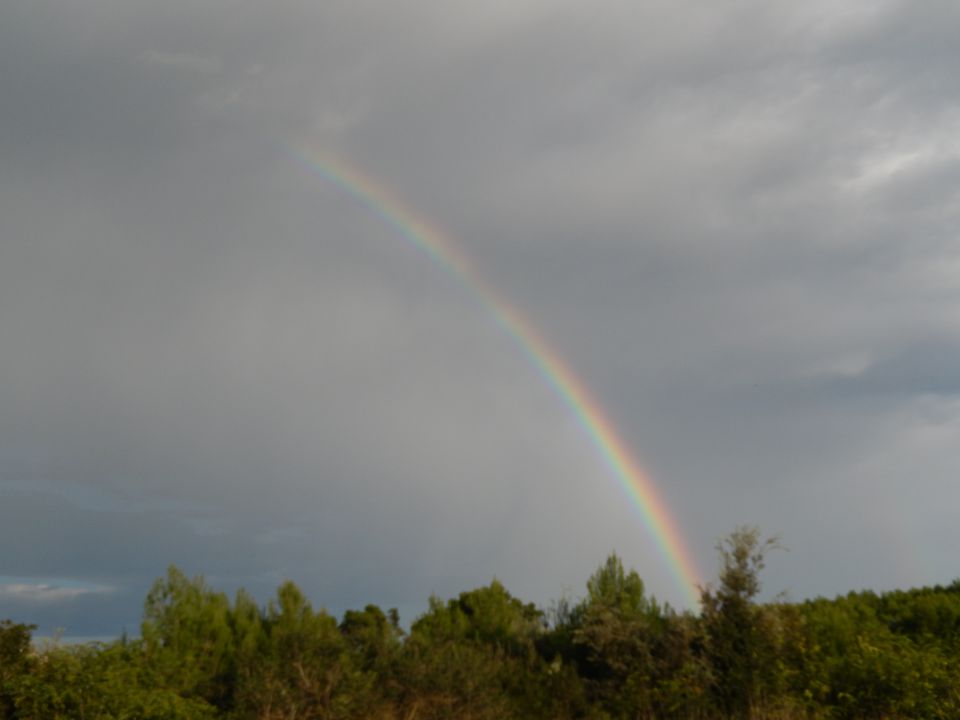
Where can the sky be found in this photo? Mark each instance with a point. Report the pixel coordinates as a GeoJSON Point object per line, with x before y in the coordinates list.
{"type": "Point", "coordinates": [735, 222]}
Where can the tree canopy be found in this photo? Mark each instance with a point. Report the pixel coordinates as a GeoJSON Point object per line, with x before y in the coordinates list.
{"type": "Point", "coordinates": [615, 654]}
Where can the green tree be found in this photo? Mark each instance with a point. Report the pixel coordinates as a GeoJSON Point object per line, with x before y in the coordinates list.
{"type": "Point", "coordinates": [475, 657]}
{"type": "Point", "coordinates": [374, 638]}
{"type": "Point", "coordinates": [737, 645]}
{"type": "Point", "coordinates": [14, 656]}
{"type": "Point", "coordinates": [613, 634]}
{"type": "Point", "coordinates": [188, 639]}
{"type": "Point", "coordinates": [633, 653]}
{"type": "Point", "coordinates": [302, 667]}
{"type": "Point", "coordinates": [99, 681]}
{"type": "Point", "coordinates": [861, 665]}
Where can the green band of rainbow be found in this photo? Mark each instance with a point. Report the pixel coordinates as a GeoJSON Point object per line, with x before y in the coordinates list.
{"type": "Point", "coordinates": [635, 482]}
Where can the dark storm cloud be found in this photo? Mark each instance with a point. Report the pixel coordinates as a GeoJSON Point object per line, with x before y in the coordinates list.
{"type": "Point", "coordinates": [737, 223]}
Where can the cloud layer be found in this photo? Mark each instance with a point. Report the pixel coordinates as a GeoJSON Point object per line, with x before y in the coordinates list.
{"type": "Point", "coordinates": [737, 222]}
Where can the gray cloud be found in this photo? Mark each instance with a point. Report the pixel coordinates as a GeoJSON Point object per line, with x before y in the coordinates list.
{"type": "Point", "coordinates": [737, 224]}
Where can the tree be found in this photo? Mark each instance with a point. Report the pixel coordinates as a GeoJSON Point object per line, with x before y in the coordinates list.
{"type": "Point", "coordinates": [14, 649]}
{"type": "Point", "coordinates": [188, 639]}
{"type": "Point", "coordinates": [474, 657]}
{"type": "Point", "coordinates": [630, 649]}
{"type": "Point", "coordinates": [301, 667]}
{"type": "Point", "coordinates": [737, 647]}
{"type": "Point", "coordinates": [98, 680]}
{"type": "Point", "coordinates": [374, 637]}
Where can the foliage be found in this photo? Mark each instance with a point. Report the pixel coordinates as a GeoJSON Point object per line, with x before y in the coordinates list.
{"type": "Point", "coordinates": [14, 656]}
{"type": "Point", "coordinates": [616, 654]}
{"type": "Point", "coordinates": [93, 681]}
{"type": "Point", "coordinates": [303, 667]}
{"type": "Point", "coordinates": [187, 637]}
{"type": "Point", "coordinates": [474, 657]}
{"type": "Point", "coordinates": [738, 645]}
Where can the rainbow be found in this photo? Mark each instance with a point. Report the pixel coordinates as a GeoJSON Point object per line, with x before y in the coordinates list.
{"type": "Point", "coordinates": [632, 478]}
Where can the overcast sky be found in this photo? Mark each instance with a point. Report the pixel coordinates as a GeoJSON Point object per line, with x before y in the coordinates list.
{"type": "Point", "coordinates": [736, 221]}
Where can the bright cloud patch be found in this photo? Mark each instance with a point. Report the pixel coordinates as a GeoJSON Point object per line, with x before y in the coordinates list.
{"type": "Point", "coordinates": [49, 591]}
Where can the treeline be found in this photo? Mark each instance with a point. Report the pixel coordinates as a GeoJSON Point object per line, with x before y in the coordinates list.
{"type": "Point", "coordinates": [618, 653]}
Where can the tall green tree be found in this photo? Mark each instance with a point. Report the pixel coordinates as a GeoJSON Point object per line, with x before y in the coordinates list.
{"type": "Point", "coordinates": [613, 633]}
{"type": "Point", "coordinates": [633, 653]}
{"type": "Point", "coordinates": [302, 668]}
{"type": "Point", "coordinates": [187, 637]}
{"type": "Point", "coordinates": [737, 646]}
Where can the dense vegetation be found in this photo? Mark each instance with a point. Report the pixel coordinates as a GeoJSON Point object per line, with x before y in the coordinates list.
{"type": "Point", "coordinates": [485, 654]}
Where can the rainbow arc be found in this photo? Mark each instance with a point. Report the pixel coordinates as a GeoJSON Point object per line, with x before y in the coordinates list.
{"type": "Point", "coordinates": [596, 425]}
